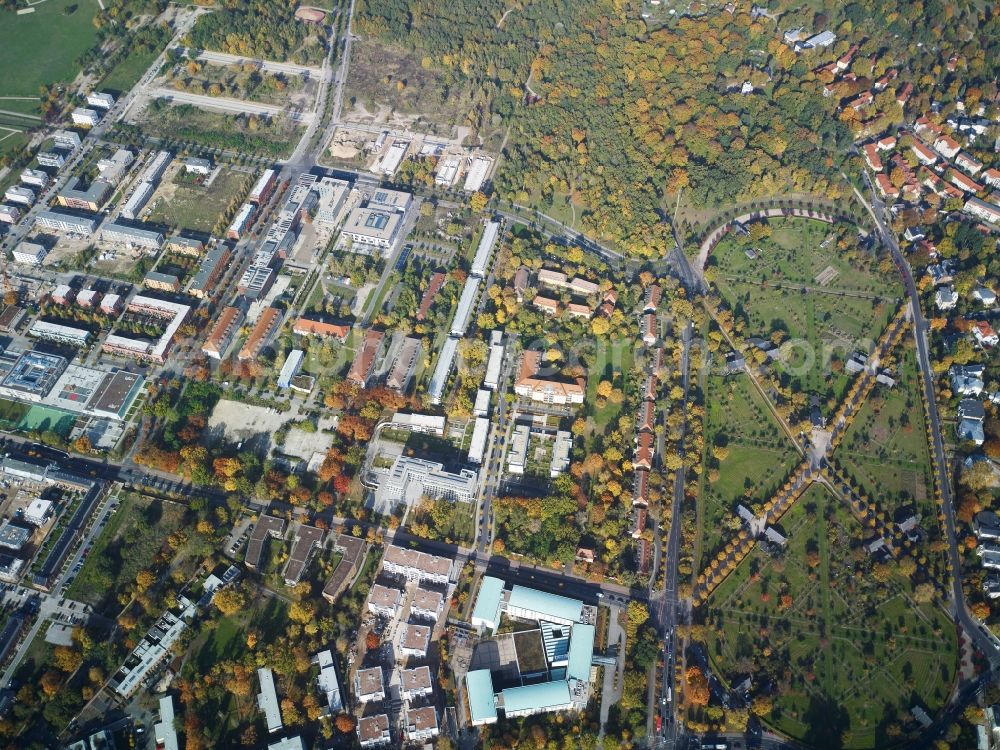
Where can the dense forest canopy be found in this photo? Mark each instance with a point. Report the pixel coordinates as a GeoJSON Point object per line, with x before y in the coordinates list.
{"type": "Point", "coordinates": [620, 115]}
{"type": "Point", "coordinates": [259, 28]}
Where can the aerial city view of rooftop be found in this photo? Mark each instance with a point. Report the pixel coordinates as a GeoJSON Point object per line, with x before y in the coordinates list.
{"type": "Point", "coordinates": [520, 376]}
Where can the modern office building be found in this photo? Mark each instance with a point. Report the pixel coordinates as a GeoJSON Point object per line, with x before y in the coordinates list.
{"type": "Point", "coordinates": [377, 228]}
{"type": "Point", "coordinates": [412, 478]}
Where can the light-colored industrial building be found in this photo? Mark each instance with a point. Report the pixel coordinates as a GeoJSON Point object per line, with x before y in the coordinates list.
{"type": "Point", "coordinates": [373, 227]}
{"type": "Point", "coordinates": [137, 200]}
{"type": "Point", "coordinates": [86, 118]}
{"type": "Point", "coordinates": [479, 167]}
{"type": "Point", "coordinates": [480, 432]}
{"type": "Point", "coordinates": [442, 370]}
{"type": "Point", "coordinates": [412, 478]}
{"type": "Point", "coordinates": [484, 251]}
{"type": "Point", "coordinates": [30, 253]}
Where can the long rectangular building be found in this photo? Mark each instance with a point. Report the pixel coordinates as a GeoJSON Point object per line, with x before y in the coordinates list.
{"type": "Point", "coordinates": [416, 566]}
{"type": "Point", "coordinates": [132, 236]}
{"type": "Point", "coordinates": [481, 262]}
{"type": "Point", "coordinates": [264, 329]}
{"type": "Point", "coordinates": [213, 267]}
{"type": "Point", "coordinates": [442, 371]}
{"type": "Point", "coordinates": [63, 222]}
{"type": "Point", "coordinates": [226, 326]}
{"type": "Point", "coordinates": [405, 365]}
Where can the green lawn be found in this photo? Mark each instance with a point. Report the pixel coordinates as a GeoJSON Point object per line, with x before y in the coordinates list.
{"type": "Point", "coordinates": [758, 459]}
{"type": "Point", "coordinates": [11, 141]}
{"type": "Point", "coordinates": [136, 532]}
{"type": "Point", "coordinates": [196, 208]}
{"type": "Point", "coordinates": [849, 655]}
{"type": "Point", "coordinates": [225, 640]}
{"type": "Point", "coordinates": [41, 47]}
{"type": "Point", "coordinates": [125, 74]}
{"type": "Point", "coordinates": [795, 253]}
{"type": "Point", "coordinates": [821, 325]}
{"type": "Point", "coordinates": [885, 450]}
{"type": "Point", "coordinates": [612, 360]}
{"type": "Point", "coordinates": [11, 413]}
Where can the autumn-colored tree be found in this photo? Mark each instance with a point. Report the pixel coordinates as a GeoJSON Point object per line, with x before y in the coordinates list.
{"type": "Point", "coordinates": [981, 610]}
{"type": "Point", "coordinates": [229, 601]}
{"type": "Point", "coordinates": [697, 691]}
{"type": "Point", "coordinates": [344, 723]}
{"type": "Point", "coordinates": [761, 705]}
{"type": "Point", "coordinates": [50, 683]}
{"type": "Point", "coordinates": [144, 579]}
{"type": "Point", "coordinates": [66, 658]}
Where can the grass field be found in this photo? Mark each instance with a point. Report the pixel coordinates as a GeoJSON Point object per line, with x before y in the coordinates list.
{"type": "Point", "coordinates": [135, 534]}
{"type": "Point", "coordinates": [758, 456]}
{"type": "Point", "coordinates": [125, 74]}
{"type": "Point", "coordinates": [11, 413]}
{"type": "Point", "coordinates": [226, 641]}
{"type": "Point", "coordinates": [848, 655]}
{"type": "Point", "coordinates": [275, 137]}
{"type": "Point", "coordinates": [798, 252]}
{"type": "Point", "coordinates": [818, 330]}
{"type": "Point", "coordinates": [610, 362]}
{"type": "Point", "coordinates": [886, 449]}
{"type": "Point", "coordinates": [801, 284]}
{"type": "Point", "coordinates": [198, 208]}
{"type": "Point", "coordinates": [41, 47]}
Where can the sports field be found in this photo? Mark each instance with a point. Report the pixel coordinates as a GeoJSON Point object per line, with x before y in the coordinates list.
{"type": "Point", "coordinates": [42, 47]}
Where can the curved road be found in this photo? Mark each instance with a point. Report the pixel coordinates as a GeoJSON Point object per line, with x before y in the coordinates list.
{"type": "Point", "coordinates": [987, 644]}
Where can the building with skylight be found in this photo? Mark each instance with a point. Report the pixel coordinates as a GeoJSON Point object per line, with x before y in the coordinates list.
{"type": "Point", "coordinates": [530, 671]}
